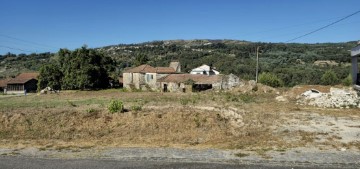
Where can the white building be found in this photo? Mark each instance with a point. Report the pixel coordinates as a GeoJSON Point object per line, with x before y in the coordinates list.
{"type": "Point", "coordinates": [205, 70]}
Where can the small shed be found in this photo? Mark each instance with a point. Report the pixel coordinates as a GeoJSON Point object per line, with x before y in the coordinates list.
{"type": "Point", "coordinates": [24, 82]}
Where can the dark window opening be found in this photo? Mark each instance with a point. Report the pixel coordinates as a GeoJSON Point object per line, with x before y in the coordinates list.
{"type": "Point", "coordinates": [201, 87]}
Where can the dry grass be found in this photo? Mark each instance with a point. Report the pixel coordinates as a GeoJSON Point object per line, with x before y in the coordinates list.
{"type": "Point", "coordinates": [74, 120]}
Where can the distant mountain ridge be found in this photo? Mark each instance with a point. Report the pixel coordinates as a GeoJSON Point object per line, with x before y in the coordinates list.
{"type": "Point", "coordinates": [228, 56]}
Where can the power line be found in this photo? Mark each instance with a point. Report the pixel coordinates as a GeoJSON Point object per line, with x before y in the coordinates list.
{"type": "Point", "coordinates": [35, 43]}
{"type": "Point", "coordinates": [16, 49]}
{"type": "Point", "coordinates": [348, 16]}
{"type": "Point", "coordinates": [291, 26]}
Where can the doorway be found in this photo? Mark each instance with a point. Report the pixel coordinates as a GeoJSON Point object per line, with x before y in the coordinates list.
{"type": "Point", "coordinates": [165, 88]}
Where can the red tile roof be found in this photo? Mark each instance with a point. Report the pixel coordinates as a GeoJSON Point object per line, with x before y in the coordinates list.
{"type": "Point", "coordinates": [23, 78]}
{"type": "Point", "coordinates": [165, 70]}
{"type": "Point", "coordinates": [141, 69]}
{"type": "Point", "coordinates": [150, 69]}
{"type": "Point", "coordinates": [3, 82]}
{"type": "Point", "coordinates": [197, 78]}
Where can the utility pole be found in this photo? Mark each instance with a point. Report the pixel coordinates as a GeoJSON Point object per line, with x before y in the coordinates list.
{"type": "Point", "coordinates": [257, 64]}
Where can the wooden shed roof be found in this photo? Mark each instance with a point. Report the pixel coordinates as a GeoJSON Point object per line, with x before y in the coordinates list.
{"type": "Point", "coordinates": [23, 78]}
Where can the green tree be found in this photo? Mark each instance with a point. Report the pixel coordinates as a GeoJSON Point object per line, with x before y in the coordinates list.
{"type": "Point", "coordinates": [50, 76]}
{"type": "Point", "coordinates": [329, 78]}
{"type": "Point", "coordinates": [270, 80]}
{"type": "Point", "coordinates": [141, 59]}
{"type": "Point", "coordinates": [82, 69]}
{"type": "Point", "coordinates": [85, 69]}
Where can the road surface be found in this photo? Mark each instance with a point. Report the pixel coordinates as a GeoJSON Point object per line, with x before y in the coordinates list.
{"type": "Point", "coordinates": [8, 162]}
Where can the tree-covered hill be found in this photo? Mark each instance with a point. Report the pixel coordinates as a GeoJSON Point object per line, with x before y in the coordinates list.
{"type": "Point", "coordinates": [293, 63]}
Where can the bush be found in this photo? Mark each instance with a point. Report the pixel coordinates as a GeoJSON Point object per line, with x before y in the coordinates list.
{"type": "Point", "coordinates": [116, 106]}
{"type": "Point", "coordinates": [347, 81]}
{"type": "Point", "coordinates": [270, 80]}
{"type": "Point", "coordinates": [329, 78]}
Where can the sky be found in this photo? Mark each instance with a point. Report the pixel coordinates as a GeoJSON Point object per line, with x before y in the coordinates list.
{"type": "Point", "coordinates": [48, 25]}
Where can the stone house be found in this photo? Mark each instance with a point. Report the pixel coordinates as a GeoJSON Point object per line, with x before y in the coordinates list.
{"type": "Point", "coordinates": [24, 82]}
{"type": "Point", "coordinates": [205, 70]}
{"type": "Point", "coordinates": [197, 82]}
{"type": "Point", "coordinates": [144, 77]}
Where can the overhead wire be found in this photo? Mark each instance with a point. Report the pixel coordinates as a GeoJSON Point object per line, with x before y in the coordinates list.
{"type": "Point", "coordinates": [26, 41]}
{"type": "Point", "coordinates": [326, 26]}
{"type": "Point", "coordinates": [23, 50]}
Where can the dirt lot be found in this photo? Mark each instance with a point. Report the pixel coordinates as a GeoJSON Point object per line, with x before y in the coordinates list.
{"type": "Point", "coordinates": [252, 121]}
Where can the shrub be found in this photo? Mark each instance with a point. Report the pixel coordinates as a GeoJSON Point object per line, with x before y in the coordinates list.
{"type": "Point", "coordinates": [347, 81]}
{"type": "Point", "coordinates": [270, 80]}
{"type": "Point", "coordinates": [116, 106]}
{"type": "Point", "coordinates": [329, 78]}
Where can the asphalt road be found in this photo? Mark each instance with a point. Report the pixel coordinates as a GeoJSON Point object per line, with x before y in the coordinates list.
{"type": "Point", "coordinates": [38, 163]}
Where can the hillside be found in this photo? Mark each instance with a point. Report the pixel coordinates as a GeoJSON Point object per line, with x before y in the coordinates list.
{"type": "Point", "coordinates": [293, 63]}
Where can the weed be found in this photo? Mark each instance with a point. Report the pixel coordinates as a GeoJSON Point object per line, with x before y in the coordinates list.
{"type": "Point", "coordinates": [42, 148]}
{"type": "Point", "coordinates": [90, 110]}
{"type": "Point", "coordinates": [123, 90]}
{"type": "Point", "coordinates": [246, 98]}
{"type": "Point", "coordinates": [71, 103]}
{"type": "Point", "coordinates": [192, 100]}
{"type": "Point", "coordinates": [116, 106]}
{"type": "Point", "coordinates": [241, 155]}
{"type": "Point", "coordinates": [184, 101]}
{"type": "Point", "coordinates": [197, 122]}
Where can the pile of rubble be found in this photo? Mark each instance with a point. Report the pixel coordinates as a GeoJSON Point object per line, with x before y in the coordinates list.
{"type": "Point", "coordinates": [336, 98]}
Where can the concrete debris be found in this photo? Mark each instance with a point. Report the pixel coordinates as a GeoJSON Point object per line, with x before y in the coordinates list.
{"type": "Point", "coordinates": [48, 90]}
{"type": "Point", "coordinates": [336, 98]}
{"type": "Point", "coordinates": [313, 93]}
